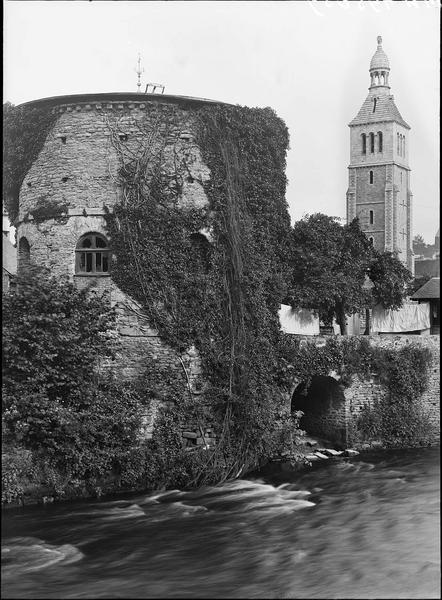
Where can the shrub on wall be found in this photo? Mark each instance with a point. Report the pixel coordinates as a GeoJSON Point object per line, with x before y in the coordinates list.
{"type": "Point", "coordinates": [79, 424]}
{"type": "Point", "coordinates": [397, 419]}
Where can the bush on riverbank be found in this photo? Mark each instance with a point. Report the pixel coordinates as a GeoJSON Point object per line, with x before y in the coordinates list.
{"type": "Point", "coordinates": [398, 419]}
{"type": "Point", "coordinates": [68, 427]}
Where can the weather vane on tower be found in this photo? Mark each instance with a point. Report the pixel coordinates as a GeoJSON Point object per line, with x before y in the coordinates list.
{"type": "Point", "coordinates": [139, 70]}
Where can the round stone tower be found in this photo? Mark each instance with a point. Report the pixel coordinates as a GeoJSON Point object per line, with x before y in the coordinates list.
{"type": "Point", "coordinates": [74, 180]}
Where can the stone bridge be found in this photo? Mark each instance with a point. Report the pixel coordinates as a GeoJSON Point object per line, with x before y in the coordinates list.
{"type": "Point", "coordinates": [331, 410]}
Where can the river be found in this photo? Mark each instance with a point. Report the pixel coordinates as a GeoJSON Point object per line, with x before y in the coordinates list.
{"type": "Point", "coordinates": [365, 527]}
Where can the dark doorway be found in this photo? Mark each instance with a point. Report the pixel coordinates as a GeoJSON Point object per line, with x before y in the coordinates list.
{"type": "Point", "coordinates": [323, 405]}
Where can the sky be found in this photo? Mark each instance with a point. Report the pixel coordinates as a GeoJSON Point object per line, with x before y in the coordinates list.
{"type": "Point", "coordinates": [308, 60]}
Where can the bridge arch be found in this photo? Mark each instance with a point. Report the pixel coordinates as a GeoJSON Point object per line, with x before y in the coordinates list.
{"type": "Point", "coordinates": [324, 406]}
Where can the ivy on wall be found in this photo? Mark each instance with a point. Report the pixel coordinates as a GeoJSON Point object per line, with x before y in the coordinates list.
{"type": "Point", "coordinates": [396, 420]}
{"type": "Point", "coordinates": [223, 297]}
{"type": "Point", "coordinates": [25, 130]}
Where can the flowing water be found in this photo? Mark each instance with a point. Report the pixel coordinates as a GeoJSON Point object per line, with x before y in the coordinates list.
{"type": "Point", "coordinates": [366, 527]}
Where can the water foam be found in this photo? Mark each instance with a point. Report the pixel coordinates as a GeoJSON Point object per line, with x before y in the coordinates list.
{"type": "Point", "coordinates": [20, 555]}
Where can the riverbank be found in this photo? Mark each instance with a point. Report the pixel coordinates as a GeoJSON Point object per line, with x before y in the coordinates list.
{"type": "Point", "coordinates": [368, 525]}
{"type": "Point", "coordinates": [311, 450]}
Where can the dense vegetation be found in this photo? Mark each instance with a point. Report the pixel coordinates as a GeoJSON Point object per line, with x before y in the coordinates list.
{"type": "Point", "coordinates": [224, 296]}
{"type": "Point", "coordinates": [329, 265]}
{"type": "Point", "coordinates": [67, 426]}
{"type": "Point", "coordinates": [397, 420]}
{"type": "Point", "coordinates": [25, 130]}
{"type": "Point", "coordinates": [70, 428]}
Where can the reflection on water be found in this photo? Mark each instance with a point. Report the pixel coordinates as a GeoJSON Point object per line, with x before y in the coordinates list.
{"type": "Point", "coordinates": [361, 528]}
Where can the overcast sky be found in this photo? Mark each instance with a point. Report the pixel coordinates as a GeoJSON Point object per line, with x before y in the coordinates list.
{"type": "Point", "coordinates": [307, 60]}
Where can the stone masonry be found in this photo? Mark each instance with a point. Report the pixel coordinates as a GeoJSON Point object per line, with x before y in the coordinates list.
{"type": "Point", "coordinates": [74, 180]}
{"type": "Point", "coordinates": [336, 415]}
{"type": "Point", "coordinates": [379, 173]}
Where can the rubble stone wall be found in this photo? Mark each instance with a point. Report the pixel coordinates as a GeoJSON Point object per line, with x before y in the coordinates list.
{"type": "Point", "coordinates": [74, 181]}
{"type": "Point", "coordinates": [338, 417]}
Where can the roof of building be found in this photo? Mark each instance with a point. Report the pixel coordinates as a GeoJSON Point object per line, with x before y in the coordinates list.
{"type": "Point", "coordinates": [120, 97]}
{"type": "Point", "coordinates": [429, 291]}
{"type": "Point", "coordinates": [386, 110]}
{"type": "Point", "coordinates": [380, 59]}
{"type": "Point", "coordinates": [9, 260]}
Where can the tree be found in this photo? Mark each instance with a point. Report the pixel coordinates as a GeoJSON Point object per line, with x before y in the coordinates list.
{"type": "Point", "coordinates": [419, 244]}
{"type": "Point", "coordinates": [329, 264]}
{"type": "Point", "coordinates": [391, 279]}
{"type": "Point", "coordinates": [56, 401]}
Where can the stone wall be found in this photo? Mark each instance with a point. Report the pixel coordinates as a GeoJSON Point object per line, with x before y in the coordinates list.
{"type": "Point", "coordinates": [336, 419]}
{"type": "Point", "coordinates": [74, 182]}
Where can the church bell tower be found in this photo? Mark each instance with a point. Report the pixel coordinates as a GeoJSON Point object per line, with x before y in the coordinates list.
{"type": "Point", "coordinates": [379, 175]}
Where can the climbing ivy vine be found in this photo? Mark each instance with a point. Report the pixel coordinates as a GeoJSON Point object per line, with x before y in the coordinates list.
{"type": "Point", "coordinates": [25, 129]}
{"type": "Point", "coordinates": [396, 420]}
{"type": "Point", "coordinates": [223, 297]}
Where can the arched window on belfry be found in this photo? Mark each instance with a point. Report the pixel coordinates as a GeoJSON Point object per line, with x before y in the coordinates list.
{"type": "Point", "coordinates": [403, 145]}
{"type": "Point", "coordinates": [92, 255]}
{"type": "Point", "coordinates": [371, 177]}
{"type": "Point", "coordinates": [398, 145]}
{"type": "Point", "coordinates": [364, 143]}
{"type": "Point", "coordinates": [380, 142]}
{"type": "Point", "coordinates": [372, 142]}
{"type": "Point", "coordinates": [24, 253]}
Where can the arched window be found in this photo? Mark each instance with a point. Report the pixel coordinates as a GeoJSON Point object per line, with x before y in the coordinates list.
{"type": "Point", "coordinates": [371, 217]}
{"type": "Point", "coordinates": [380, 141]}
{"type": "Point", "coordinates": [371, 177]}
{"type": "Point", "coordinates": [398, 145]}
{"type": "Point", "coordinates": [24, 253]}
{"type": "Point", "coordinates": [364, 144]}
{"type": "Point", "coordinates": [92, 255]}
{"type": "Point", "coordinates": [403, 145]}
{"type": "Point", "coordinates": [371, 241]}
{"type": "Point", "coordinates": [374, 104]}
{"type": "Point", "coordinates": [372, 142]}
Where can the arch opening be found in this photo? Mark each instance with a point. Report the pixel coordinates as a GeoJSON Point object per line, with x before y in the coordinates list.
{"type": "Point", "coordinates": [24, 253]}
{"type": "Point", "coordinates": [323, 405]}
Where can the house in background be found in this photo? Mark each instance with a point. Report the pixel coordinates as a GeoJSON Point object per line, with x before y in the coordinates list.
{"type": "Point", "coordinates": [430, 292]}
{"type": "Point", "coordinates": [9, 257]}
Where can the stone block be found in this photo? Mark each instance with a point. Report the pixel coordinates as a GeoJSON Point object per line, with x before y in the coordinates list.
{"type": "Point", "coordinates": [321, 455]}
{"type": "Point", "coordinates": [332, 452]}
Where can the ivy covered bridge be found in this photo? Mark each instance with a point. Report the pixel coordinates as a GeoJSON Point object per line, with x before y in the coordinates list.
{"type": "Point", "coordinates": [343, 387]}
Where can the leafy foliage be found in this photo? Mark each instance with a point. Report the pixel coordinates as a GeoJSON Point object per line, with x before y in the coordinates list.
{"type": "Point", "coordinates": [58, 402]}
{"type": "Point", "coordinates": [391, 280]}
{"type": "Point", "coordinates": [397, 419]}
{"type": "Point", "coordinates": [329, 264]}
{"type": "Point", "coordinates": [224, 296]}
{"type": "Point", "coordinates": [25, 130]}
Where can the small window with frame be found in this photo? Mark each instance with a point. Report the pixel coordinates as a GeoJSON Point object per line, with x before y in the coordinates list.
{"type": "Point", "coordinates": [92, 255]}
